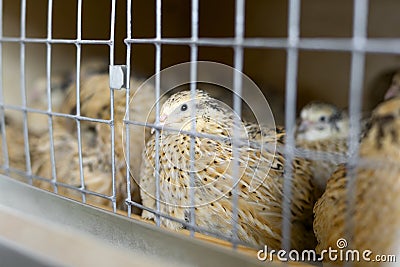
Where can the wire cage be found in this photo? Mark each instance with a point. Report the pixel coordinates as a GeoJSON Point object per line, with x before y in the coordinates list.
{"type": "Point", "coordinates": [60, 136]}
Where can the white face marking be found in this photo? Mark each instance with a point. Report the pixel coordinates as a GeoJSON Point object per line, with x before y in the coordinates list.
{"type": "Point", "coordinates": [177, 110]}
{"type": "Point", "coordinates": [316, 122]}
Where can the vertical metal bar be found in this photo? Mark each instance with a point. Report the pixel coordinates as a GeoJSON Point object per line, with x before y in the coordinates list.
{"type": "Point", "coordinates": [48, 85]}
{"type": "Point", "coordinates": [290, 117]}
{"type": "Point", "coordinates": [2, 110]}
{"type": "Point", "coordinates": [112, 125]}
{"type": "Point", "coordinates": [112, 128]}
{"type": "Point", "coordinates": [157, 84]}
{"type": "Point", "coordinates": [237, 106]}
{"type": "Point", "coordinates": [360, 22]}
{"type": "Point", "coordinates": [128, 73]}
{"type": "Point", "coordinates": [112, 32]}
{"type": "Point", "coordinates": [78, 104]}
{"type": "Point", "coordinates": [23, 92]}
{"type": "Point", "coordinates": [193, 79]}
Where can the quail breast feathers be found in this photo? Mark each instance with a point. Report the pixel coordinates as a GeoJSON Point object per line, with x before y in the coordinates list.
{"type": "Point", "coordinates": [258, 175]}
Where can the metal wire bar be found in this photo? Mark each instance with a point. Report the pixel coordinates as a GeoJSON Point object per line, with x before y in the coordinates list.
{"type": "Point", "coordinates": [191, 133]}
{"type": "Point", "coordinates": [157, 87]}
{"type": "Point", "coordinates": [5, 162]}
{"type": "Point", "coordinates": [360, 23]}
{"type": "Point", "coordinates": [114, 190]}
{"type": "Point", "coordinates": [112, 32]}
{"type": "Point", "coordinates": [371, 45]}
{"type": "Point", "coordinates": [55, 114]}
{"type": "Point", "coordinates": [168, 129]}
{"type": "Point", "coordinates": [237, 107]}
{"type": "Point", "coordinates": [52, 41]}
{"type": "Point", "coordinates": [193, 83]}
{"type": "Point", "coordinates": [48, 89]}
{"type": "Point", "coordinates": [112, 139]}
{"type": "Point", "coordinates": [78, 103]}
{"type": "Point", "coordinates": [127, 98]}
{"type": "Point", "coordinates": [187, 225]}
{"type": "Point", "coordinates": [297, 152]}
{"type": "Point", "coordinates": [50, 181]}
{"type": "Point", "coordinates": [290, 118]}
{"type": "Point", "coordinates": [23, 91]}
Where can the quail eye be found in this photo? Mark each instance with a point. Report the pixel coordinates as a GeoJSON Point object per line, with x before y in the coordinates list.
{"type": "Point", "coordinates": [184, 107]}
{"type": "Point", "coordinates": [322, 118]}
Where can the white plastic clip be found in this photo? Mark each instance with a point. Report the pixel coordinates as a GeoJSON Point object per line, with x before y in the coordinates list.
{"type": "Point", "coordinates": [117, 76]}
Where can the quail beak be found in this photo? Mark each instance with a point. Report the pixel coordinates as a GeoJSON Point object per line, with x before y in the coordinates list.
{"type": "Point", "coordinates": [393, 91]}
{"type": "Point", "coordinates": [162, 120]}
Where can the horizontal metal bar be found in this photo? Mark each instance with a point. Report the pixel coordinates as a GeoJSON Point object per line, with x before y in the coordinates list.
{"type": "Point", "coordinates": [187, 225]}
{"type": "Point", "coordinates": [372, 45]}
{"type": "Point", "coordinates": [230, 42]}
{"type": "Point", "coordinates": [174, 130]}
{"type": "Point", "coordinates": [78, 189]}
{"type": "Point", "coordinates": [53, 41]}
{"type": "Point", "coordinates": [55, 114]}
{"type": "Point", "coordinates": [12, 170]}
{"type": "Point", "coordinates": [271, 146]}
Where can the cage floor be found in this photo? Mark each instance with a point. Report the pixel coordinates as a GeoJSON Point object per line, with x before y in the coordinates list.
{"type": "Point", "coordinates": [72, 226]}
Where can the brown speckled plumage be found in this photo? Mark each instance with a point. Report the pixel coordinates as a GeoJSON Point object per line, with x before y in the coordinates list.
{"type": "Point", "coordinates": [96, 138]}
{"type": "Point", "coordinates": [376, 217]}
{"type": "Point", "coordinates": [259, 211]}
{"type": "Point", "coordinates": [96, 170]}
{"type": "Point", "coordinates": [323, 128]}
{"type": "Point", "coordinates": [15, 148]}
